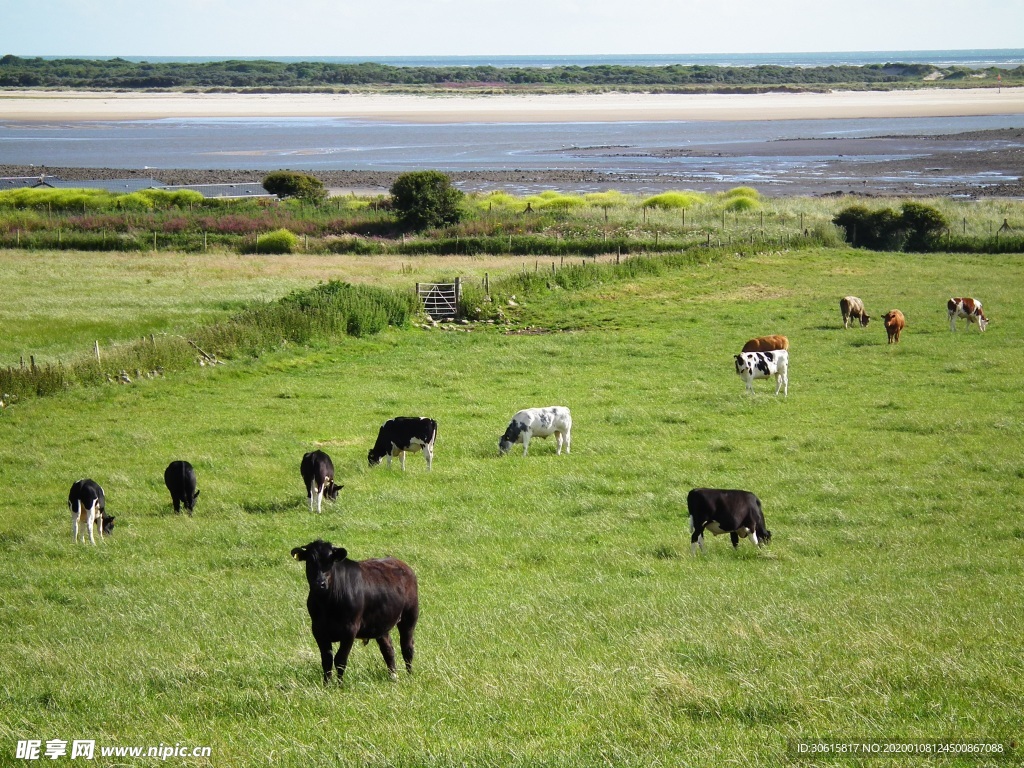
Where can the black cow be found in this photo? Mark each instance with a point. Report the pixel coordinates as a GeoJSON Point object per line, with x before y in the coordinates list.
{"type": "Point", "coordinates": [351, 599]}
{"type": "Point", "coordinates": [88, 507]}
{"type": "Point", "coordinates": [318, 474]}
{"type": "Point", "coordinates": [401, 434]}
{"type": "Point", "coordinates": [737, 513]}
{"type": "Point", "coordinates": [180, 479]}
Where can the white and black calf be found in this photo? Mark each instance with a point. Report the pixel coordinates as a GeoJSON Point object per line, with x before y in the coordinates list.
{"type": "Point", "coordinates": [764, 365]}
{"type": "Point", "coordinates": [318, 474]}
{"type": "Point", "coordinates": [970, 309]}
{"type": "Point", "coordinates": [538, 422]}
{"type": "Point", "coordinates": [404, 434]}
{"type": "Point", "coordinates": [180, 479]}
{"type": "Point", "coordinates": [737, 513]}
{"type": "Point", "coordinates": [853, 310]}
{"type": "Point", "coordinates": [88, 508]}
{"type": "Point", "coordinates": [350, 599]}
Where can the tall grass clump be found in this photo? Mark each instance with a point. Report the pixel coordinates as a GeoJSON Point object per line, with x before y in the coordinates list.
{"type": "Point", "coordinates": [674, 200]}
{"type": "Point", "coordinates": [278, 241]}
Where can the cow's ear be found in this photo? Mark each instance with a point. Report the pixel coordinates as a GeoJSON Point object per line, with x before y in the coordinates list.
{"type": "Point", "coordinates": [196, 494]}
{"type": "Point", "coordinates": [338, 554]}
{"type": "Point", "coordinates": [299, 553]}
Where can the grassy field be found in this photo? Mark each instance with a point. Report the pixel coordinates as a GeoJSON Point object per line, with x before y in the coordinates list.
{"type": "Point", "coordinates": [563, 620]}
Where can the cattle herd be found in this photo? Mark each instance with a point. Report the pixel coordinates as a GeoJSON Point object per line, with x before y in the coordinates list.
{"type": "Point", "coordinates": [350, 599]}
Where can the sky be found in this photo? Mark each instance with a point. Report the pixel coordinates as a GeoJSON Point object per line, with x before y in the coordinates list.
{"type": "Point", "coordinates": [316, 28]}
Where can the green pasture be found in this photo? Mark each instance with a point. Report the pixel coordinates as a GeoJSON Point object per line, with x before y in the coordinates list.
{"type": "Point", "coordinates": [563, 620]}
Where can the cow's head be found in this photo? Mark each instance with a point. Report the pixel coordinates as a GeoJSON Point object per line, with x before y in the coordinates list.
{"type": "Point", "coordinates": [982, 321]}
{"type": "Point", "coordinates": [512, 434]}
{"type": "Point", "coordinates": [106, 524]}
{"type": "Point", "coordinates": [331, 490]}
{"type": "Point", "coordinates": [190, 501]}
{"type": "Point", "coordinates": [319, 556]}
{"type": "Point", "coordinates": [375, 457]}
{"type": "Point", "coordinates": [864, 317]}
{"type": "Point", "coordinates": [740, 364]}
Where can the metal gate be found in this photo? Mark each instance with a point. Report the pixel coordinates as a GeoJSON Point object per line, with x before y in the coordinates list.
{"type": "Point", "coordinates": [440, 300]}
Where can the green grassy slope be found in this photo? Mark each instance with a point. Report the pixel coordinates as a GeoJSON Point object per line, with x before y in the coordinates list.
{"type": "Point", "coordinates": [563, 619]}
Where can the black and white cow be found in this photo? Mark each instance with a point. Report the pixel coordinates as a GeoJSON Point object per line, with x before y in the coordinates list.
{"type": "Point", "coordinates": [180, 479]}
{"type": "Point", "coordinates": [764, 365]}
{"type": "Point", "coordinates": [364, 599]}
{"type": "Point", "coordinates": [88, 507]}
{"type": "Point", "coordinates": [538, 422]}
{"type": "Point", "coordinates": [318, 474]}
{"type": "Point", "coordinates": [737, 513]}
{"type": "Point", "coordinates": [401, 434]}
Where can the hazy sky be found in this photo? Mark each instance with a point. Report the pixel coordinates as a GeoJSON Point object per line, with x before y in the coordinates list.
{"type": "Point", "coordinates": [509, 27]}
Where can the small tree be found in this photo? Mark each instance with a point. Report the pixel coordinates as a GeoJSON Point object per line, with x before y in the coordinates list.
{"type": "Point", "coordinates": [293, 184]}
{"type": "Point", "coordinates": [426, 199]}
{"type": "Point", "coordinates": [924, 226]}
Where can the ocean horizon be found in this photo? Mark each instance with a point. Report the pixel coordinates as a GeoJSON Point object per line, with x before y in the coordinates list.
{"type": "Point", "coordinates": [975, 58]}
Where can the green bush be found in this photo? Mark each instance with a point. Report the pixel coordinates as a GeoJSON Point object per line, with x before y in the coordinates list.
{"type": "Point", "coordinates": [673, 200]}
{"type": "Point", "coordinates": [278, 241]}
{"type": "Point", "coordinates": [293, 184]}
{"type": "Point", "coordinates": [917, 227]}
{"type": "Point", "coordinates": [424, 199]}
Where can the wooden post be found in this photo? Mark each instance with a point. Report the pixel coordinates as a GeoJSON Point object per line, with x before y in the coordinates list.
{"type": "Point", "coordinates": [32, 363]}
{"type": "Point", "coordinates": [204, 239]}
{"type": "Point", "coordinates": [487, 284]}
{"type": "Point", "coordinates": [154, 239]}
{"type": "Point", "coordinates": [96, 349]}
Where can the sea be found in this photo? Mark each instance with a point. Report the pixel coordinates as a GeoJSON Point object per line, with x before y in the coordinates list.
{"type": "Point", "coordinates": [679, 148]}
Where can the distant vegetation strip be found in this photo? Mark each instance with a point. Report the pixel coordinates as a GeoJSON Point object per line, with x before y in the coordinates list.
{"type": "Point", "coordinates": [329, 310]}
{"type": "Point", "coordinates": [233, 75]}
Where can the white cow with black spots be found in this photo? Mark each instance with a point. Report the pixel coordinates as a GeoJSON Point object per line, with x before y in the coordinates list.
{"type": "Point", "coordinates": [764, 365]}
{"type": "Point", "coordinates": [538, 422]}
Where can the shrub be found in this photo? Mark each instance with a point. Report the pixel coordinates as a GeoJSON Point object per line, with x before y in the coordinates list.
{"type": "Point", "coordinates": [278, 241]}
{"type": "Point", "coordinates": [917, 227]}
{"type": "Point", "coordinates": [673, 200]}
{"type": "Point", "coordinates": [424, 199]}
{"type": "Point", "coordinates": [924, 226]}
{"type": "Point", "coordinates": [293, 184]}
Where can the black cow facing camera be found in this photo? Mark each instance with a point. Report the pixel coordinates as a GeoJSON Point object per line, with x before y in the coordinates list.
{"type": "Point", "coordinates": [350, 599]}
{"type": "Point", "coordinates": [180, 479]}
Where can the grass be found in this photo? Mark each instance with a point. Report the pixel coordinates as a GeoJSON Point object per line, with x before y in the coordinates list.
{"type": "Point", "coordinates": [564, 622]}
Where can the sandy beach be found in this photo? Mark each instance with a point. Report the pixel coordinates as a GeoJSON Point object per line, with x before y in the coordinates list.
{"type": "Point", "coordinates": [939, 102]}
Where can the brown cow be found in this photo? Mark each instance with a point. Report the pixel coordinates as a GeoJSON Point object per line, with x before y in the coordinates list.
{"type": "Point", "coordinates": [766, 344]}
{"type": "Point", "coordinates": [853, 309]}
{"type": "Point", "coordinates": [894, 324]}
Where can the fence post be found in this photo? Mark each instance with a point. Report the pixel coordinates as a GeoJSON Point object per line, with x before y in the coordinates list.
{"type": "Point", "coordinates": [487, 284]}
{"type": "Point", "coordinates": [96, 348]}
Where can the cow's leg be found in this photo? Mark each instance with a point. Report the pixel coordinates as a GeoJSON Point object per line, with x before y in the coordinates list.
{"type": "Point", "coordinates": [75, 511]}
{"type": "Point", "coordinates": [341, 657]}
{"type": "Point", "coordinates": [697, 539]}
{"type": "Point", "coordinates": [326, 657]}
{"type": "Point", "coordinates": [406, 625]}
{"type": "Point", "coordinates": [91, 520]}
{"type": "Point", "coordinates": [526, 442]}
{"type": "Point", "coordinates": [734, 538]}
{"type": "Point", "coordinates": [312, 493]}
{"type": "Point", "coordinates": [320, 498]}
{"type": "Point", "coordinates": [753, 538]}
{"type": "Point", "coordinates": [388, 652]}
{"type": "Point", "coordinates": [559, 438]}
{"type": "Point", "coordinates": [428, 452]}
{"type": "Point", "coordinates": [177, 504]}
{"type": "Point", "coordinates": [401, 459]}
{"type": "Point", "coordinates": [952, 322]}
{"type": "Point", "coordinates": [566, 439]}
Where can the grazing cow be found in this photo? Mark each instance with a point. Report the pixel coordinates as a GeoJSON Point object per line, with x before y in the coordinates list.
{"type": "Point", "coordinates": [318, 474]}
{"type": "Point", "coordinates": [88, 507]}
{"type": "Point", "coordinates": [961, 306]}
{"type": "Point", "coordinates": [766, 344]}
{"type": "Point", "coordinates": [764, 365]}
{"type": "Point", "coordinates": [351, 599]}
{"type": "Point", "coordinates": [737, 513]}
{"type": "Point", "coordinates": [180, 479]}
{"type": "Point", "coordinates": [853, 309]}
{"type": "Point", "coordinates": [538, 422]}
{"type": "Point", "coordinates": [401, 434]}
{"type": "Point", "coordinates": [894, 324]}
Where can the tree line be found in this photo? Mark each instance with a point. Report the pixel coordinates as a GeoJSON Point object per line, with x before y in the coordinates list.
{"type": "Point", "coordinates": [117, 73]}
